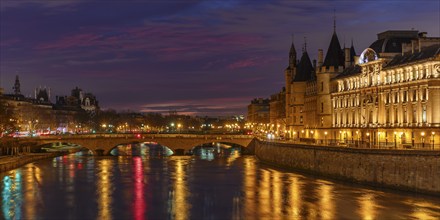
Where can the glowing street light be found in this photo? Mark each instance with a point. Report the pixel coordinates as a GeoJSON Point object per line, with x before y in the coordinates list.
{"type": "Point", "coordinates": [423, 139]}
{"type": "Point", "coordinates": [433, 134]}
{"type": "Point", "coordinates": [369, 141]}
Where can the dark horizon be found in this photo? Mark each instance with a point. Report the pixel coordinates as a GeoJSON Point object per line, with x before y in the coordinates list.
{"type": "Point", "coordinates": [197, 57]}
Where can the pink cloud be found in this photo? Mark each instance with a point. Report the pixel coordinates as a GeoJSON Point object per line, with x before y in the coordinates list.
{"type": "Point", "coordinates": [252, 62]}
{"type": "Point", "coordinates": [78, 40]}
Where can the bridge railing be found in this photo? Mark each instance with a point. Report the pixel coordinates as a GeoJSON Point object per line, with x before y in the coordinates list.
{"type": "Point", "coordinates": [143, 136]}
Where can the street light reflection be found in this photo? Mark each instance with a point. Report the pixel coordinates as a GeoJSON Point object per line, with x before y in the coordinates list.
{"type": "Point", "coordinates": [367, 209]}
{"type": "Point", "coordinates": [104, 187]}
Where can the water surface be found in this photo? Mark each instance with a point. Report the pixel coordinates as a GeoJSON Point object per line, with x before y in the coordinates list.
{"type": "Point", "coordinates": [190, 187]}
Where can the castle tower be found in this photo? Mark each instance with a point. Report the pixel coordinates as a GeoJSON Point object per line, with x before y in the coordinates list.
{"type": "Point", "coordinates": [333, 64]}
{"type": "Point", "coordinates": [289, 74]}
{"type": "Point", "coordinates": [304, 73]}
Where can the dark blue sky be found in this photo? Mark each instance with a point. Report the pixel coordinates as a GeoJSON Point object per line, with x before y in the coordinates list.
{"type": "Point", "coordinates": [199, 57]}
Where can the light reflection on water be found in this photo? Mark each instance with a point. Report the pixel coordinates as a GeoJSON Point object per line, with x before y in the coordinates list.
{"type": "Point", "coordinates": [187, 187]}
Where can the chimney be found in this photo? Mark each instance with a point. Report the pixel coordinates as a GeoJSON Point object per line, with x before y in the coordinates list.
{"type": "Point", "coordinates": [356, 60]}
{"type": "Point", "coordinates": [347, 57]}
{"type": "Point", "coordinates": [320, 57]}
{"type": "Point", "coordinates": [420, 45]}
{"type": "Point", "coordinates": [412, 47]}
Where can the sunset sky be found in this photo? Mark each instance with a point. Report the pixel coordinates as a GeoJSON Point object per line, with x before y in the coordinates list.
{"type": "Point", "coordinates": [195, 57]}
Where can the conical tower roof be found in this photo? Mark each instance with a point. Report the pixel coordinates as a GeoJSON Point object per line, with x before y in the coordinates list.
{"type": "Point", "coordinates": [335, 55]}
{"type": "Point", "coordinates": [304, 69]}
{"type": "Point", "coordinates": [352, 52]}
{"type": "Point", "coordinates": [292, 49]}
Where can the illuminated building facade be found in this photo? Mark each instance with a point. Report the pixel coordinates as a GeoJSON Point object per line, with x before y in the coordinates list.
{"type": "Point", "coordinates": [387, 96]}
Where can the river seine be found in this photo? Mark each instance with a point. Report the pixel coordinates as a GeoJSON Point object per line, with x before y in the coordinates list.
{"type": "Point", "coordinates": [192, 187]}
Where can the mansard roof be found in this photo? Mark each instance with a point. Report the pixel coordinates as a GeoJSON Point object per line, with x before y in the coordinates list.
{"type": "Point", "coordinates": [304, 69]}
{"type": "Point", "coordinates": [426, 53]}
{"type": "Point", "coordinates": [335, 55]}
{"type": "Point", "coordinates": [349, 71]}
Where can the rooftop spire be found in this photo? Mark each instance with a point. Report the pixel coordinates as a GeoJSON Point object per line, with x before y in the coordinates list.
{"type": "Point", "coordinates": [334, 20]}
{"type": "Point", "coordinates": [305, 43]}
{"type": "Point", "coordinates": [17, 86]}
{"type": "Point", "coordinates": [292, 55]}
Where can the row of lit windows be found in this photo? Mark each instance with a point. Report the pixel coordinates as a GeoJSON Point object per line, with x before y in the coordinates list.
{"type": "Point", "coordinates": [339, 119]}
{"type": "Point", "coordinates": [405, 96]}
{"type": "Point", "coordinates": [389, 77]}
{"type": "Point", "coordinates": [390, 97]}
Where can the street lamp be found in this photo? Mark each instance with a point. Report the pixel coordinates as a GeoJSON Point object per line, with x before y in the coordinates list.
{"type": "Point", "coordinates": [369, 144]}
{"type": "Point", "coordinates": [325, 137]}
{"type": "Point", "coordinates": [395, 140]}
{"type": "Point", "coordinates": [423, 139]}
{"type": "Point", "coordinates": [433, 134]}
{"type": "Point", "coordinates": [378, 138]}
{"type": "Point", "coordinates": [178, 127]}
{"type": "Point", "coordinates": [357, 134]}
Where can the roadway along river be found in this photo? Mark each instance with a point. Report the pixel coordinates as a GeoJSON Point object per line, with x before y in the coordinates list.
{"type": "Point", "coordinates": [191, 187]}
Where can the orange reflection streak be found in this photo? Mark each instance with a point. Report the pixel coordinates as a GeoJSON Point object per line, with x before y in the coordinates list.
{"type": "Point", "coordinates": [103, 187]}
{"type": "Point", "coordinates": [295, 198]}
{"type": "Point", "coordinates": [423, 210]}
{"type": "Point", "coordinates": [180, 196]}
{"type": "Point", "coordinates": [367, 206]}
{"type": "Point", "coordinates": [264, 197]}
{"type": "Point", "coordinates": [32, 176]}
{"type": "Point", "coordinates": [249, 188]}
{"type": "Point", "coordinates": [326, 202]}
{"type": "Point", "coordinates": [277, 200]}
{"type": "Point", "coordinates": [139, 202]}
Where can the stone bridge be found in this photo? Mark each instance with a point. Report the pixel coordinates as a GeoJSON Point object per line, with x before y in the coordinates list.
{"type": "Point", "coordinates": [104, 143]}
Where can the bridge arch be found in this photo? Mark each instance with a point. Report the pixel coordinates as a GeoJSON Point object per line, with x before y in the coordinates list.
{"type": "Point", "coordinates": [139, 148]}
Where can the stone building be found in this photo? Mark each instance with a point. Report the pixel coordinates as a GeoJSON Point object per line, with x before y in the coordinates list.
{"type": "Point", "coordinates": [277, 110]}
{"type": "Point", "coordinates": [386, 96]}
{"type": "Point", "coordinates": [39, 115]}
{"type": "Point", "coordinates": [258, 111]}
{"type": "Point", "coordinates": [390, 96]}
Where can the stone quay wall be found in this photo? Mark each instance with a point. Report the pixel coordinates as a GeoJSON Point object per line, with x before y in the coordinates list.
{"type": "Point", "coordinates": [417, 171]}
{"type": "Point", "coordinates": [12, 162]}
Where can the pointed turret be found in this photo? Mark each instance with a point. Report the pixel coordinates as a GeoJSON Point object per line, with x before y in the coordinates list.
{"type": "Point", "coordinates": [292, 56]}
{"type": "Point", "coordinates": [352, 52]}
{"type": "Point", "coordinates": [305, 69]}
{"type": "Point", "coordinates": [16, 87]}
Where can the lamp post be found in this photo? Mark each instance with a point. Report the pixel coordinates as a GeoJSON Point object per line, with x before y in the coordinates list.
{"type": "Point", "coordinates": [378, 139]}
{"type": "Point", "coordinates": [325, 137]}
{"type": "Point", "coordinates": [357, 133]}
{"type": "Point", "coordinates": [369, 144]}
{"type": "Point", "coordinates": [395, 140]}
{"type": "Point", "coordinates": [423, 139]}
{"type": "Point", "coordinates": [433, 134]}
{"type": "Point", "coordinates": [340, 136]}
